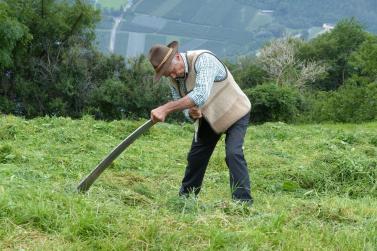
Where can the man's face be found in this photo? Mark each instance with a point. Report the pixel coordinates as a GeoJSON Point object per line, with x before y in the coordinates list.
{"type": "Point", "coordinates": [176, 68]}
{"type": "Point", "coordinates": [171, 72]}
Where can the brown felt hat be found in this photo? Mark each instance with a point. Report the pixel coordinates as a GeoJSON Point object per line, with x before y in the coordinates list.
{"type": "Point", "coordinates": [161, 57]}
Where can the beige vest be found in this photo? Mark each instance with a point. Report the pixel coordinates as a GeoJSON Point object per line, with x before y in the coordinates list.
{"type": "Point", "coordinates": [226, 103]}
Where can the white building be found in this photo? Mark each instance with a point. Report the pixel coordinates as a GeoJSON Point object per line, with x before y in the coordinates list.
{"type": "Point", "coordinates": [327, 27]}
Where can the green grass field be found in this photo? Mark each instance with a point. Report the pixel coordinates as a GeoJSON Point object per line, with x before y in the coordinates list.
{"type": "Point", "coordinates": [314, 186]}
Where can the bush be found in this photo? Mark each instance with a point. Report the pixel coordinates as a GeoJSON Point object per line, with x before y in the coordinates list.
{"type": "Point", "coordinates": [109, 100]}
{"type": "Point", "coordinates": [349, 104]}
{"type": "Point", "coordinates": [270, 102]}
{"type": "Point", "coordinates": [6, 106]}
{"type": "Point", "coordinates": [131, 95]}
{"type": "Point", "coordinates": [248, 73]}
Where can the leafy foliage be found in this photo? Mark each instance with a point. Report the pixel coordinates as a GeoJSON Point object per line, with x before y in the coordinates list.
{"type": "Point", "coordinates": [50, 66]}
{"type": "Point", "coordinates": [131, 94]}
{"type": "Point", "coordinates": [247, 72]}
{"type": "Point", "coordinates": [13, 35]}
{"type": "Point", "coordinates": [270, 102]}
{"type": "Point", "coordinates": [351, 103]}
{"type": "Point", "coordinates": [36, 81]}
{"type": "Point", "coordinates": [334, 50]}
{"type": "Point", "coordinates": [364, 61]}
{"type": "Point", "coordinates": [61, 73]}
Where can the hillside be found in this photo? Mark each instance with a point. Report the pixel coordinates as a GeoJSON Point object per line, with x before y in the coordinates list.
{"type": "Point", "coordinates": [228, 27]}
{"type": "Point", "coordinates": [314, 188]}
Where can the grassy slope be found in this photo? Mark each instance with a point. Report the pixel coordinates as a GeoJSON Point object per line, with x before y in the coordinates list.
{"type": "Point", "coordinates": [314, 185]}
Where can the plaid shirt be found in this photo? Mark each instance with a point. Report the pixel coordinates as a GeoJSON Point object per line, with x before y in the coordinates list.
{"type": "Point", "coordinates": [208, 70]}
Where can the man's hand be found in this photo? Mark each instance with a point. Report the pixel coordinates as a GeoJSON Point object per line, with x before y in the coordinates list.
{"type": "Point", "coordinates": [159, 114]}
{"type": "Point", "coordinates": [195, 113]}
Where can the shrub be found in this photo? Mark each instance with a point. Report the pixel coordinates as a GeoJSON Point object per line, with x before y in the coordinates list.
{"type": "Point", "coordinates": [270, 102]}
{"type": "Point", "coordinates": [350, 103]}
{"type": "Point", "coordinates": [6, 106]}
{"type": "Point", "coordinates": [248, 73]}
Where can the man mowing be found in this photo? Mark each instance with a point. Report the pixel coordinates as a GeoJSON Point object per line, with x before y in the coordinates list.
{"type": "Point", "coordinates": [204, 89]}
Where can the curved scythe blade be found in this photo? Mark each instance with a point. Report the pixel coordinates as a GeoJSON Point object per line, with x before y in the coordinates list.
{"type": "Point", "coordinates": [89, 180]}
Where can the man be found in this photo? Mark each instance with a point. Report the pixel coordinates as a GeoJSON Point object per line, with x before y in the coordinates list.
{"type": "Point", "coordinates": [205, 90]}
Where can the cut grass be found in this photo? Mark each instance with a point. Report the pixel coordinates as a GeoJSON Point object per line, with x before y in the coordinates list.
{"type": "Point", "coordinates": [314, 189]}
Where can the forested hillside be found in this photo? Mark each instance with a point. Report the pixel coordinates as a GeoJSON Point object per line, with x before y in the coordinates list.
{"type": "Point", "coordinates": [227, 27]}
{"type": "Point", "coordinates": [50, 65]}
{"type": "Point", "coordinates": [307, 13]}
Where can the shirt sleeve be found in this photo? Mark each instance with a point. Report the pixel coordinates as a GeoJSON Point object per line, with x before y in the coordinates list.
{"type": "Point", "coordinates": [207, 68]}
{"type": "Point", "coordinates": [175, 95]}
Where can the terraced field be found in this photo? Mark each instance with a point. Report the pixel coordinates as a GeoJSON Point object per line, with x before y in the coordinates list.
{"type": "Point", "coordinates": [228, 27]}
{"type": "Point", "coordinates": [195, 24]}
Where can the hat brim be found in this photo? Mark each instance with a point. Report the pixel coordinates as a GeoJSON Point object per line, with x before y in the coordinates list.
{"type": "Point", "coordinates": [165, 66]}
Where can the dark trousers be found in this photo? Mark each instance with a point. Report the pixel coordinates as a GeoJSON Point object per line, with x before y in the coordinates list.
{"type": "Point", "coordinates": [202, 150]}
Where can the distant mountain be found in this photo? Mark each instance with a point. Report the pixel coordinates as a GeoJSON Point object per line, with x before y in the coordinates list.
{"type": "Point", "coordinates": [227, 27]}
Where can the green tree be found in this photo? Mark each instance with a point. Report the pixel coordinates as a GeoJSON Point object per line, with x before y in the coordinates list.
{"type": "Point", "coordinates": [130, 94]}
{"type": "Point", "coordinates": [364, 61]}
{"type": "Point", "coordinates": [248, 73]}
{"type": "Point", "coordinates": [13, 35]}
{"type": "Point", "coordinates": [37, 76]}
{"type": "Point", "coordinates": [334, 49]}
